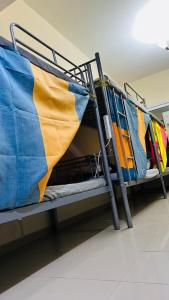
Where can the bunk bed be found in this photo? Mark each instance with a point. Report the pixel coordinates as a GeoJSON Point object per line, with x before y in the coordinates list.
{"type": "Point", "coordinates": [158, 139]}
{"type": "Point", "coordinates": [115, 139]}
{"type": "Point", "coordinates": [125, 116]}
{"type": "Point", "coordinates": [76, 81]}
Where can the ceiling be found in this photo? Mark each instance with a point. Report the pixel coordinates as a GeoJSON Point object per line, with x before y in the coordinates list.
{"type": "Point", "coordinates": [105, 26]}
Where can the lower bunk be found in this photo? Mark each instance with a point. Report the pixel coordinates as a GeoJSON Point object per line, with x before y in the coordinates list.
{"type": "Point", "coordinates": [152, 174]}
{"type": "Point", "coordinates": [57, 196]}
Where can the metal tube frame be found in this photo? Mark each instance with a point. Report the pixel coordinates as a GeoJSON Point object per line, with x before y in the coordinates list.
{"type": "Point", "coordinates": [126, 86]}
{"type": "Point", "coordinates": [143, 101]}
{"type": "Point", "coordinates": [55, 53]}
{"type": "Point", "coordinates": [120, 135]}
{"type": "Point", "coordinates": [83, 75]}
{"type": "Point", "coordinates": [113, 142]}
{"type": "Point", "coordinates": [120, 175]}
{"type": "Point", "coordinates": [104, 155]}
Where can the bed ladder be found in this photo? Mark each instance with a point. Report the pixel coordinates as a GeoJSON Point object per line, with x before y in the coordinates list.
{"type": "Point", "coordinates": [120, 115]}
{"type": "Point", "coordinates": [113, 143]}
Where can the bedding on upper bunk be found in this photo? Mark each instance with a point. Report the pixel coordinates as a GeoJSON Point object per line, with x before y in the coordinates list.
{"type": "Point", "coordinates": [161, 139]}
{"type": "Point", "coordinates": [39, 117]}
{"type": "Point", "coordinates": [138, 123]}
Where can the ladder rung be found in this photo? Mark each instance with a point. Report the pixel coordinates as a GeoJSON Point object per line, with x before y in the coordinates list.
{"type": "Point", "coordinates": [121, 114]}
{"type": "Point", "coordinates": [126, 135]}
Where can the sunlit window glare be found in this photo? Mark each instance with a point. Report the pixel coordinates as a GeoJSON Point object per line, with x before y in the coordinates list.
{"type": "Point", "coordinates": [152, 23]}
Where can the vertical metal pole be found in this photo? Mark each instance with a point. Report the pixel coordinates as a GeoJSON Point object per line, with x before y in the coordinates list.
{"type": "Point", "coordinates": [104, 155]}
{"type": "Point", "coordinates": [53, 217]}
{"type": "Point", "coordinates": [157, 160]}
{"type": "Point", "coordinates": [119, 170]}
{"type": "Point", "coordinates": [54, 56]}
{"type": "Point", "coordinates": [13, 36]}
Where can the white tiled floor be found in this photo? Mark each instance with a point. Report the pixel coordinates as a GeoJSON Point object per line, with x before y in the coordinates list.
{"type": "Point", "coordinates": [126, 265]}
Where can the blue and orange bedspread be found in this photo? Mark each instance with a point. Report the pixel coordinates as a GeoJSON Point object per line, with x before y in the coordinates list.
{"type": "Point", "coordinates": [135, 126]}
{"type": "Point", "coordinates": [39, 117]}
{"type": "Point", "coordinates": [138, 121]}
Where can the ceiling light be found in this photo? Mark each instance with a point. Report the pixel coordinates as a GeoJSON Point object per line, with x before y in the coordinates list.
{"type": "Point", "coordinates": [152, 23]}
{"type": "Point", "coordinates": [164, 45]}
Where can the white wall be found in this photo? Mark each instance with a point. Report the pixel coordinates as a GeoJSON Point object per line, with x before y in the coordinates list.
{"type": "Point", "coordinates": [154, 88]}
{"type": "Point", "coordinates": [21, 13]}
{"type": "Point", "coordinates": [5, 3]}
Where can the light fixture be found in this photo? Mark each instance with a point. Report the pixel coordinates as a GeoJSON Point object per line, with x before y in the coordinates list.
{"type": "Point", "coordinates": [152, 23]}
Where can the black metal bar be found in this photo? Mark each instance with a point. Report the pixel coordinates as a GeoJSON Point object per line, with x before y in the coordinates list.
{"type": "Point", "coordinates": [54, 52]}
{"type": "Point", "coordinates": [141, 107]}
{"type": "Point", "coordinates": [73, 70]}
{"type": "Point", "coordinates": [119, 170]}
{"type": "Point", "coordinates": [84, 64]}
{"type": "Point", "coordinates": [29, 210]}
{"type": "Point", "coordinates": [53, 217]}
{"type": "Point", "coordinates": [12, 25]}
{"type": "Point", "coordinates": [104, 156]}
{"type": "Point", "coordinates": [49, 60]}
{"type": "Point", "coordinates": [54, 56]}
{"type": "Point", "coordinates": [157, 160]}
{"type": "Point", "coordinates": [137, 94]}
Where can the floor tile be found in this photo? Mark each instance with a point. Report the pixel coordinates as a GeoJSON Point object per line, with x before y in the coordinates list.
{"type": "Point", "coordinates": [136, 239]}
{"type": "Point", "coordinates": [157, 212]}
{"type": "Point", "coordinates": [104, 264]}
{"type": "Point", "coordinates": [92, 261]}
{"type": "Point", "coordinates": [160, 241]}
{"type": "Point", "coordinates": [151, 267]}
{"type": "Point", "coordinates": [85, 261]}
{"type": "Point", "coordinates": [140, 291]}
{"type": "Point", "coordinates": [59, 289]}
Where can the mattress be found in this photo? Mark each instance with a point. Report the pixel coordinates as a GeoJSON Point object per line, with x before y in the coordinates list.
{"type": "Point", "coordinates": [151, 173]}
{"type": "Point", "coordinates": [59, 191]}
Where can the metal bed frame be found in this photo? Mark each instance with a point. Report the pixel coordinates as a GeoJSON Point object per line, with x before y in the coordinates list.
{"type": "Point", "coordinates": [103, 83]}
{"type": "Point", "coordinates": [140, 100]}
{"type": "Point", "coordinates": [128, 87]}
{"type": "Point", "coordinates": [82, 75]}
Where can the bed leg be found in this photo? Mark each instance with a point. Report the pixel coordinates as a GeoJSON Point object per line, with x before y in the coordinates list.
{"type": "Point", "coordinates": [53, 217]}
{"type": "Point", "coordinates": [163, 187]}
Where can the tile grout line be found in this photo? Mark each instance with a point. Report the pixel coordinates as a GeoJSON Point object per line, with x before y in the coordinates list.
{"type": "Point", "coordinates": [109, 280]}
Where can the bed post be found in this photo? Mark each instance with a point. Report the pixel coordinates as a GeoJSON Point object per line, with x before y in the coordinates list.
{"type": "Point", "coordinates": [103, 150]}
{"type": "Point", "coordinates": [119, 170]}
{"type": "Point", "coordinates": [53, 218]}
{"type": "Point", "coordinates": [157, 159]}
